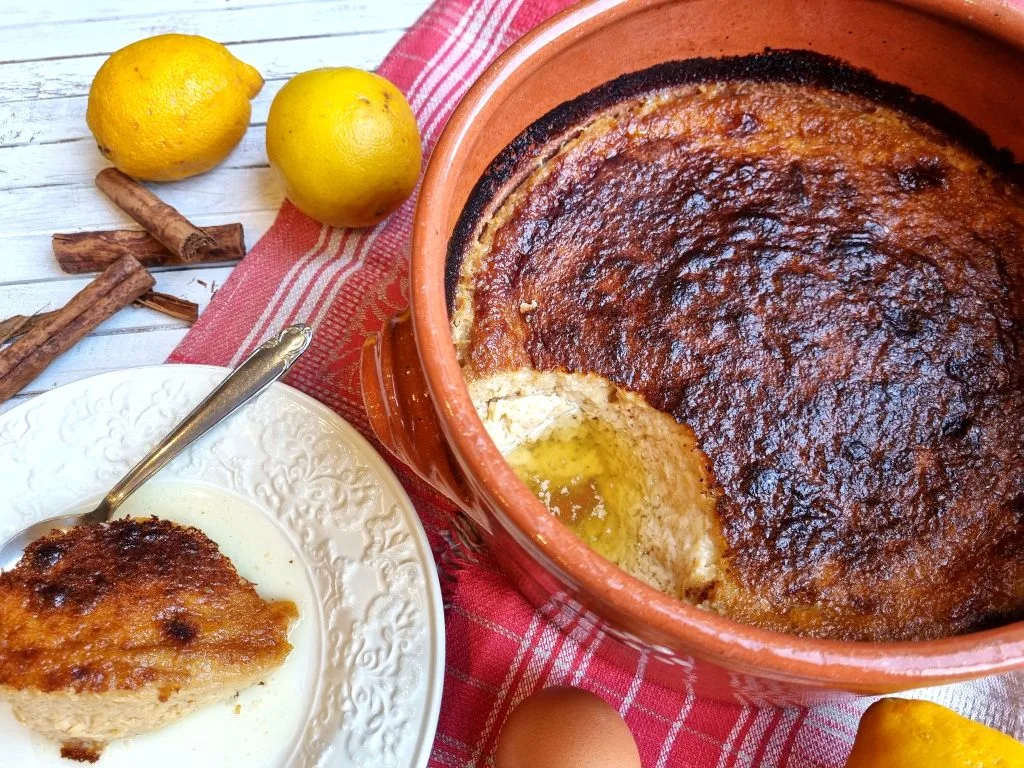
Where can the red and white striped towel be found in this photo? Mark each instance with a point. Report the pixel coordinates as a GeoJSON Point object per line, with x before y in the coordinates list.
{"type": "Point", "coordinates": [346, 283]}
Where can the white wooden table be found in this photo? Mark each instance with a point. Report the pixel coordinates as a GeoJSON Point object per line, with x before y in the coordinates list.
{"type": "Point", "coordinates": [49, 52]}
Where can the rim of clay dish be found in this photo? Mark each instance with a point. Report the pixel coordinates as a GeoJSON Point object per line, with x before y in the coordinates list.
{"type": "Point", "coordinates": [710, 636]}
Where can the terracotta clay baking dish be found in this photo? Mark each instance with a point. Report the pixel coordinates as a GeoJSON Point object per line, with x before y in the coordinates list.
{"type": "Point", "coordinates": [968, 55]}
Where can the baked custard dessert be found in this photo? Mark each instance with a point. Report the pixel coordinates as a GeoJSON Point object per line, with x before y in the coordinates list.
{"type": "Point", "coordinates": [754, 328]}
{"type": "Point", "coordinates": [112, 630]}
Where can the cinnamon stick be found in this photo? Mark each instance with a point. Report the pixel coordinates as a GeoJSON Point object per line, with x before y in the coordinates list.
{"type": "Point", "coordinates": [15, 326]}
{"type": "Point", "coordinates": [80, 252]}
{"type": "Point", "coordinates": [172, 306]}
{"type": "Point", "coordinates": [179, 235]}
{"type": "Point", "coordinates": [118, 286]}
{"type": "Point", "coordinates": [165, 303]}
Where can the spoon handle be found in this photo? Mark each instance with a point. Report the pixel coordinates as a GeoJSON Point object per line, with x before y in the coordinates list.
{"type": "Point", "coordinates": [261, 369]}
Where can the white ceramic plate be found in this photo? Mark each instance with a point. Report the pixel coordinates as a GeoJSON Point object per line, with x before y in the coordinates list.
{"type": "Point", "coordinates": [307, 510]}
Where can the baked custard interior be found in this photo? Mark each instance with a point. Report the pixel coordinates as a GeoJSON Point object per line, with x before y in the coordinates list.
{"type": "Point", "coordinates": [754, 329]}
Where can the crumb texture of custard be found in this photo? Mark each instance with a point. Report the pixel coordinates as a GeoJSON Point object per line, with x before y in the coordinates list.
{"type": "Point", "coordinates": [822, 276]}
{"type": "Point", "coordinates": [108, 631]}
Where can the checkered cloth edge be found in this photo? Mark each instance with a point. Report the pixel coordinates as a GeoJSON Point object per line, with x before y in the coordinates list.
{"type": "Point", "coordinates": [346, 283]}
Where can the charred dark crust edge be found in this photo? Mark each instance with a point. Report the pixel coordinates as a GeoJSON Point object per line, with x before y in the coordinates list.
{"type": "Point", "coordinates": [798, 67]}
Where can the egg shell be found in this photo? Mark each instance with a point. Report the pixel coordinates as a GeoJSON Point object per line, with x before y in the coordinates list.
{"type": "Point", "coordinates": [565, 728]}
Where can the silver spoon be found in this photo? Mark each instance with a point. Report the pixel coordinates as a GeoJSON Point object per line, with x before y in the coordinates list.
{"type": "Point", "coordinates": [261, 369]}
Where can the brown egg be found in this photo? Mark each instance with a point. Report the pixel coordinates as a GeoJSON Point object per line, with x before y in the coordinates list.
{"type": "Point", "coordinates": [565, 728]}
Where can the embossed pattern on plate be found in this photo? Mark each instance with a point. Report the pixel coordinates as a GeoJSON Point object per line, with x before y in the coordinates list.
{"type": "Point", "coordinates": [379, 654]}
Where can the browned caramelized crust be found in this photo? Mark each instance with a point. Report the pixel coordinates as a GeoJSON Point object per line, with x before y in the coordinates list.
{"type": "Point", "coordinates": [82, 752]}
{"type": "Point", "coordinates": [827, 288]}
{"type": "Point", "coordinates": [132, 604]}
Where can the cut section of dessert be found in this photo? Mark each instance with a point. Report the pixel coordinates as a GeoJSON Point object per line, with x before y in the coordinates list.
{"type": "Point", "coordinates": [626, 478]}
{"type": "Point", "coordinates": [109, 631]}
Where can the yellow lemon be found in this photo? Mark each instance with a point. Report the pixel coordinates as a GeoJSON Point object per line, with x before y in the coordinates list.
{"type": "Point", "coordinates": [919, 734]}
{"type": "Point", "coordinates": [170, 106]}
{"type": "Point", "coordinates": [346, 143]}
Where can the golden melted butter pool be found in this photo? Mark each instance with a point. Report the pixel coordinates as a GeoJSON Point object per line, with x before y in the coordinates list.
{"type": "Point", "coordinates": [590, 478]}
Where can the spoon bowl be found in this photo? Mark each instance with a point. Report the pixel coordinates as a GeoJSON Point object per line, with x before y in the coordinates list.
{"type": "Point", "coordinates": [15, 546]}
